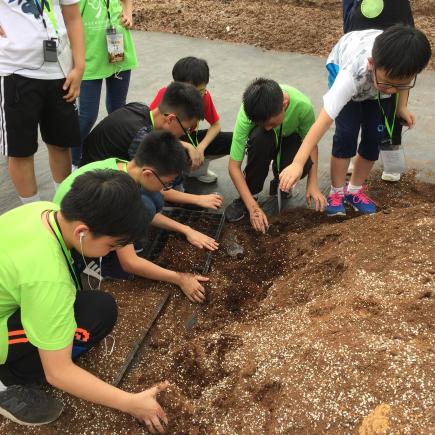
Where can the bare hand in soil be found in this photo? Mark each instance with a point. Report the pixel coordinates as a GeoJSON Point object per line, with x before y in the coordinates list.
{"type": "Point", "coordinates": [201, 240]}
{"type": "Point", "coordinates": [212, 201]}
{"type": "Point", "coordinates": [147, 410]}
{"type": "Point", "coordinates": [289, 176]}
{"type": "Point", "coordinates": [258, 219]}
{"type": "Point", "coordinates": [191, 286]}
{"type": "Point", "coordinates": [315, 196]}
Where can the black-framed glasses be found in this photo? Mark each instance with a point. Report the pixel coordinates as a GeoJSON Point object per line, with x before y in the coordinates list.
{"type": "Point", "coordinates": [165, 186]}
{"type": "Point", "coordinates": [391, 85]}
{"type": "Point", "coordinates": [186, 131]}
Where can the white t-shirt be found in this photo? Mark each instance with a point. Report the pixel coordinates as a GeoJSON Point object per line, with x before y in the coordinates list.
{"type": "Point", "coordinates": [349, 61]}
{"type": "Point", "coordinates": [21, 50]}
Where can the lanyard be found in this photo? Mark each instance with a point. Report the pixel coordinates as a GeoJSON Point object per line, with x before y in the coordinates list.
{"type": "Point", "coordinates": [50, 13]}
{"type": "Point", "coordinates": [191, 139]}
{"type": "Point", "coordinates": [54, 225]}
{"type": "Point", "coordinates": [390, 128]}
{"type": "Point", "coordinates": [278, 147]}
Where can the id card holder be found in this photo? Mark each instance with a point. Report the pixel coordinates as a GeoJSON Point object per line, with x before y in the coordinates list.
{"type": "Point", "coordinates": [393, 157]}
{"type": "Point", "coordinates": [115, 45]}
{"type": "Point", "coordinates": [50, 50]}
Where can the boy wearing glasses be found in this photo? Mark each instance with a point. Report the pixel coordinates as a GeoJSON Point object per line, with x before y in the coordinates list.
{"type": "Point", "coordinates": [204, 144]}
{"type": "Point", "coordinates": [159, 159]}
{"type": "Point", "coordinates": [370, 75]}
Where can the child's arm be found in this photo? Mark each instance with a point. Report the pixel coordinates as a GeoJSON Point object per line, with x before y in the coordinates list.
{"type": "Point", "coordinates": [256, 215]}
{"type": "Point", "coordinates": [190, 284]}
{"type": "Point", "coordinates": [127, 13]}
{"type": "Point", "coordinates": [292, 173]}
{"type": "Point", "coordinates": [212, 200]}
{"type": "Point", "coordinates": [196, 157]}
{"type": "Point", "coordinates": [74, 27]}
{"type": "Point", "coordinates": [61, 372]}
{"type": "Point", "coordinates": [313, 192]}
{"type": "Point", "coordinates": [209, 137]}
{"type": "Point", "coordinates": [196, 238]}
{"type": "Point", "coordinates": [402, 109]}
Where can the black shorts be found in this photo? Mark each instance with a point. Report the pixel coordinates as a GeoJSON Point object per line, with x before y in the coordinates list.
{"type": "Point", "coordinates": [26, 103]}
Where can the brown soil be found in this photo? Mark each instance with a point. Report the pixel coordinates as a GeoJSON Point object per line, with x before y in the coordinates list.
{"type": "Point", "coordinates": [320, 326]}
{"type": "Point", "coordinates": [290, 25]}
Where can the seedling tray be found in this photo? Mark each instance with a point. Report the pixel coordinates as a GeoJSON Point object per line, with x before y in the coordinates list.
{"type": "Point", "coordinates": [207, 222]}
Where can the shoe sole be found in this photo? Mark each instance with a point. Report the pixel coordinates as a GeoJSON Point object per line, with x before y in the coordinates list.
{"type": "Point", "coordinates": [235, 220]}
{"type": "Point", "coordinates": [390, 179]}
{"type": "Point", "coordinates": [206, 181]}
{"type": "Point", "coordinates": [11, 417]}
{"type": "Point", "coordinates": [339, 213]}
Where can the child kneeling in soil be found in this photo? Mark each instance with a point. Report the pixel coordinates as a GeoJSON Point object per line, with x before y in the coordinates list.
{"type": "Point", "coordinates": [45, 322]}
{"type": "Point", "coordinates": [370, 75]}
{"type": "Point", "coordinates": [270, 126]}
{"type": "Point", "coordinates": [159, 159]}
{"type": "Point", "coordinates": [205, 144]}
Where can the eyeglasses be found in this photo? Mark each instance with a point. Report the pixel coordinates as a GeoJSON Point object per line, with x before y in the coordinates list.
{"type": "Point", "coordinates": [165, 186]}
{"type": "Point", "coordinates": [391, 85]}
{"type": "Point", "coordinates": [186, 131]}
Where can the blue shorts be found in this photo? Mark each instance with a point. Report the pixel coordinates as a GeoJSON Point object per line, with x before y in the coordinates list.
{"type": "Point", "coordinates": [153, 202]}
{"type": "Point", "coordinates": [367, 116]}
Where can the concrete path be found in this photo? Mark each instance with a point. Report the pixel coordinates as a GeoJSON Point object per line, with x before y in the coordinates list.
{"type": "Point", "coordinates": [232, 67]}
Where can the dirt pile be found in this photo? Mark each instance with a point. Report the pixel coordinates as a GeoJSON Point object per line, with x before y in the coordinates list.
{"type": "Point", "coordinates": [290, 25]}
{"type": "Point", "coordinates": [320, 326]}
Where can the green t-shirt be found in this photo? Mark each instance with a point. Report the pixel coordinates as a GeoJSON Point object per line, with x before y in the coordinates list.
{"type": "Point", "coordinates": [34, 277]}
{"type": "Point", "coordinates": [66, 184]}
{"type": "Point", "coordinates": [298, 118]}
{"type": "Point", "coordinates": [95, 23]}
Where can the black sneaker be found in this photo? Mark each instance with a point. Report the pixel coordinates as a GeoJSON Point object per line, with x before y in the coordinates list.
{"type": "Point", "coordinates": [273, 189]}
{"type": "Point", "coordinates": [29, 405]}
{"type": "Point", "coordinates": [236, 211]}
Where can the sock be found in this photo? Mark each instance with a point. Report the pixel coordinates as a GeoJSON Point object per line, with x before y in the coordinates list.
{"type": "Point", "coordinates": [353, 189]}
{"type": "Point", "coordinates": [3, 387]}
{"type": "Point", "coordinates": [339, 190]}
{"type": "Point", "coordinates": [30, 199]}
{"type": "Point", "coordinates": [56, 185]}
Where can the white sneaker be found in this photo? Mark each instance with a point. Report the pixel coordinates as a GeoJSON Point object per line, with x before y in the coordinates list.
{"type": "Point", "coordinates": [390, 177]}
{"type": "Point", "coordinates": [209, 177]}
{"type": "Point", "coordinates": [93, 269]}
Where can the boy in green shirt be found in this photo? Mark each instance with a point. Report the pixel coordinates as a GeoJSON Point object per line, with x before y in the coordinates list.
{"type": "Point", "coordinates": [270, 126]}
{"type": "Point", "coordinates": [159, 159]}
{"type": "Point", "coordinates": [45, 323]}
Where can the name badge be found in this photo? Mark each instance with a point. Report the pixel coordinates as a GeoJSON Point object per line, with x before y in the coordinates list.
{"type": "Point", "coordinates": [115, 45]}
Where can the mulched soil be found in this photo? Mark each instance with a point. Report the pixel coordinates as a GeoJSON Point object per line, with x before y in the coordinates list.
{"type": "Point", "coordinates": [311, 27]}
{"type": "Point", "coordinates": [321, 326]}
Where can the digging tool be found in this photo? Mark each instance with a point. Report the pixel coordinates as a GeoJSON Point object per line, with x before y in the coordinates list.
{"type": "Point", "coordinates": [136, 346]}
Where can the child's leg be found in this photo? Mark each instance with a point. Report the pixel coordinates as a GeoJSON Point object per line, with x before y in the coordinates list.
{"type": "Point", "coordinates": [90, 92]}
{"type": "Point", "coordinates": [289, 147]}
{"type": "Point", "coordinates": [345, 140]}
{"type": "Point", "coordinates": [348, 9]}
{"type": "Point", "coordinates": [95, 314]}
{"type": "Point", "coordinates": [219, 146]}
{"type": "Point", "coordinates": [117, 90]}
{"type": "Point", "coordinates": [261, 148]}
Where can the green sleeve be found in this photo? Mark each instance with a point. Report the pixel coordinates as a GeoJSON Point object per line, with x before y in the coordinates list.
{"type": "Point", "coordinates": [47, 314]}
{"type": "Point", "coordinates": [240, 135]}
{"type": "Point", "coordinates": [306, 120]}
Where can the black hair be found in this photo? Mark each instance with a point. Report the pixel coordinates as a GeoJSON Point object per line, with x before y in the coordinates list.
{"type": "Point", "coordinates": [184, 100]}
{"type": "Point", "coordinates": [191, 70]}
{"type": "Point", "coordinates": [262, 100]}
{"type": "Point", "coordinates": [109, 203]}
{"type": "Point", "coordinates": [162, 151]}
{"type": "Point", "coordinates": [402, 51]}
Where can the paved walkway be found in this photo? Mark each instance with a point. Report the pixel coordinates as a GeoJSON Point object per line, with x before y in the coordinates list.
{"type": "Point", "coordinates": [232, 67]}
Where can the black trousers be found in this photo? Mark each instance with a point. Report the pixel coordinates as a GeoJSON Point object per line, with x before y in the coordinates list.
{"type": "Point", "coordinates": [262, 149]}
{"type": "Point", "coordinates": [95, 313]}
{"type": "Point", "coordinates": [219, 146]}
